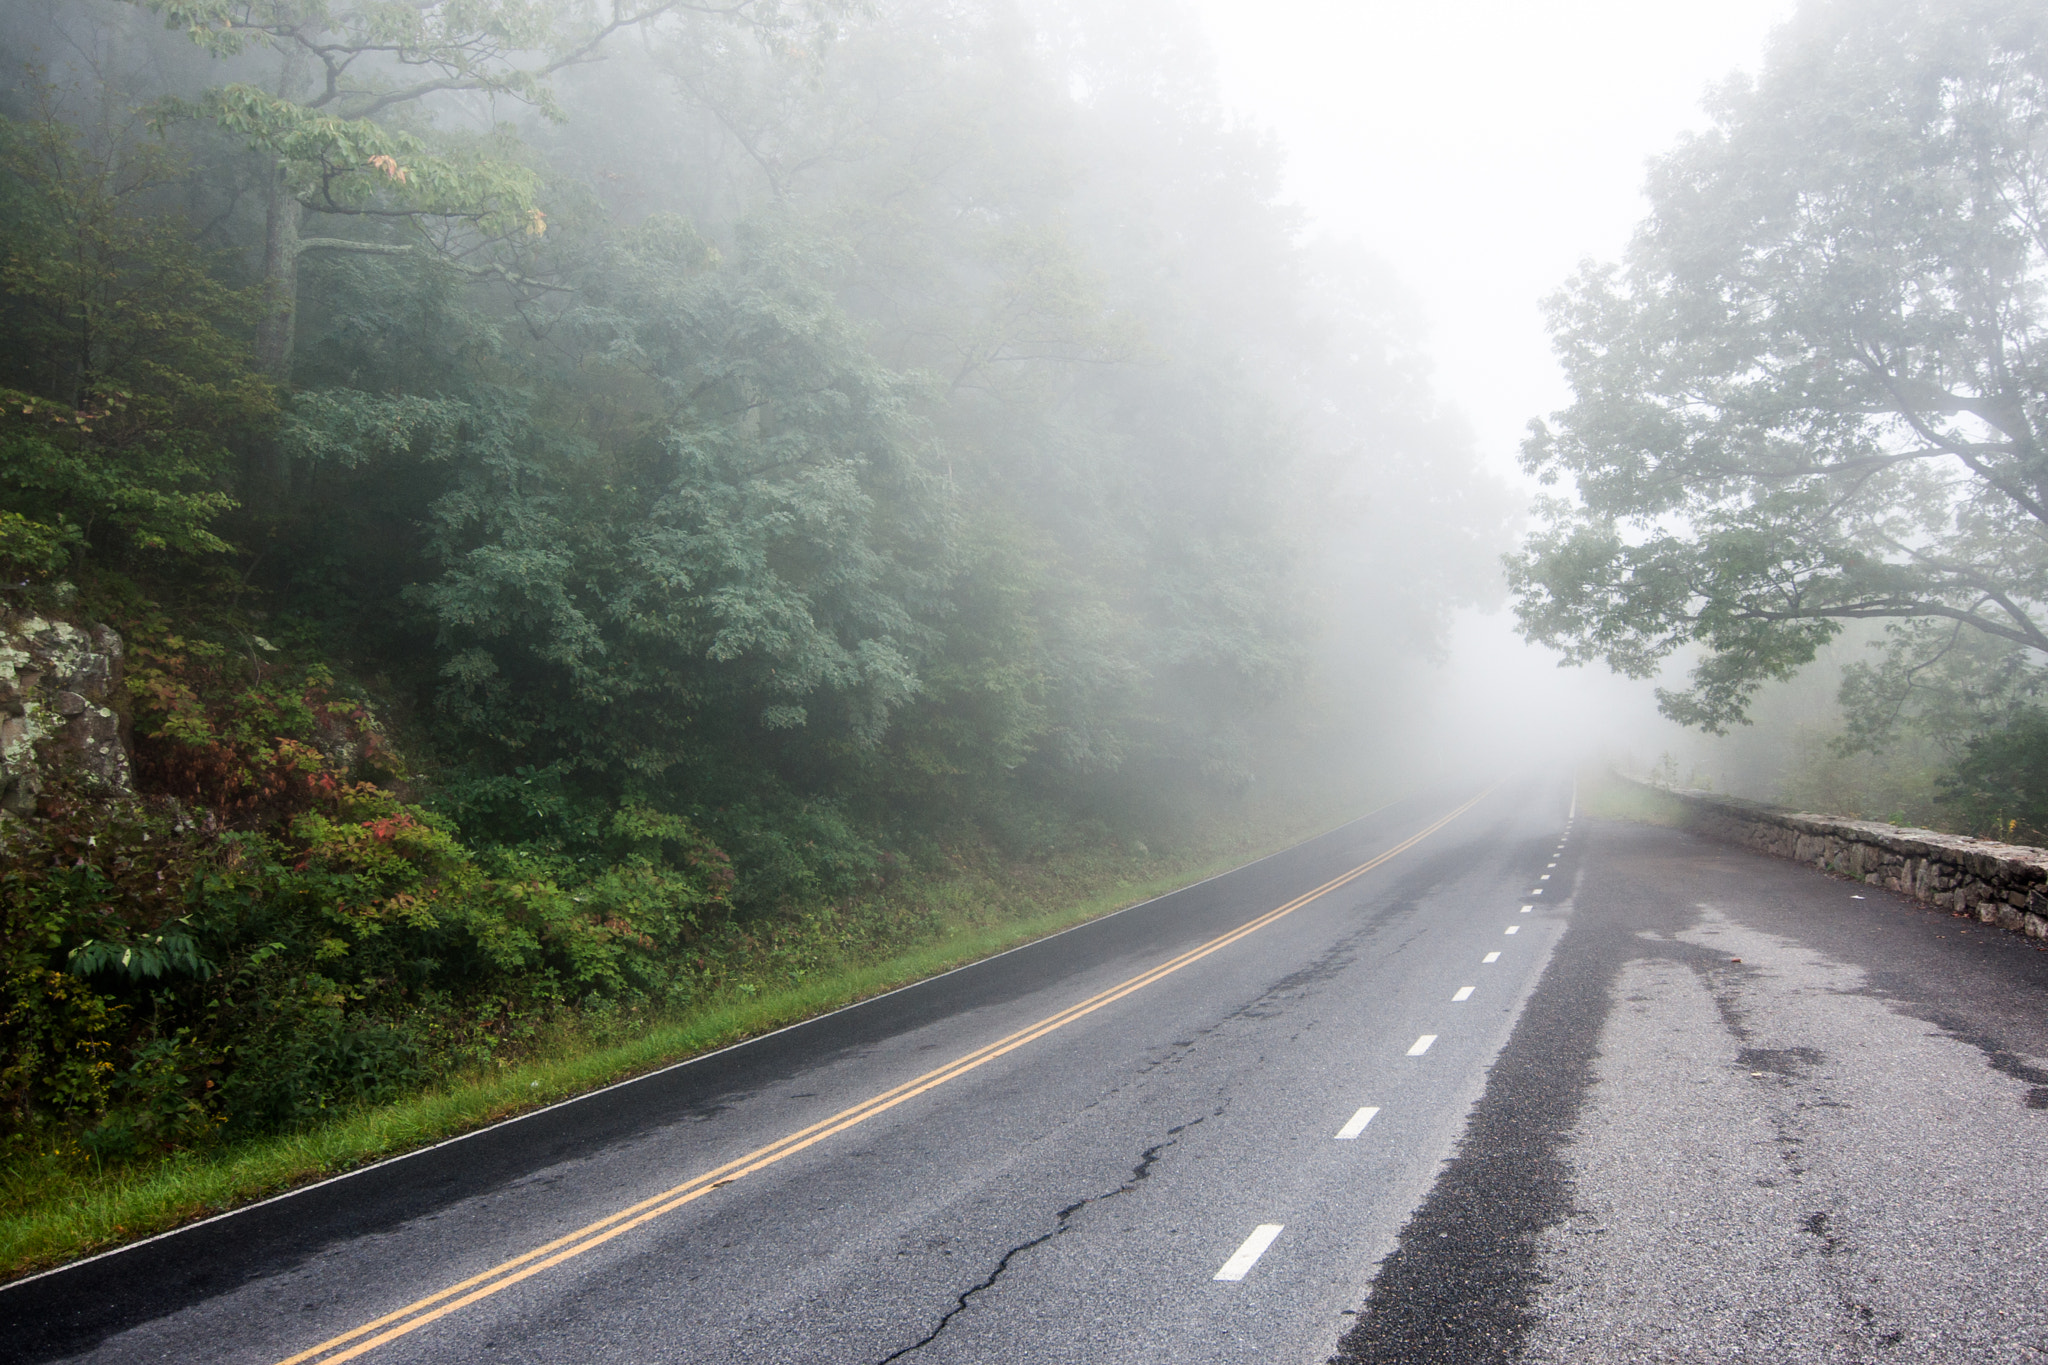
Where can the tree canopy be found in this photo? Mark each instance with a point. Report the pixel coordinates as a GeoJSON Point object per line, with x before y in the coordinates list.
{"type": "Point", "coordinates": [1815, 390]}
{"type": "Point", "coordinates": [599, 494]}
{"type": "Point", "coordinates": [333, 110]}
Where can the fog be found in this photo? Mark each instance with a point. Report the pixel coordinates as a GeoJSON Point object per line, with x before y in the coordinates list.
{"type": "Point", "coordinates": [1483, 149]}
{"type": "Point", "coordinates": [523, 520]}
{"type": "Point", "coordinates": [919, 408]}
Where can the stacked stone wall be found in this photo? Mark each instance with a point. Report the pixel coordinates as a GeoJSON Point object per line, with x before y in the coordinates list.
{"type": "Point", "coordinates": [2002, 884]}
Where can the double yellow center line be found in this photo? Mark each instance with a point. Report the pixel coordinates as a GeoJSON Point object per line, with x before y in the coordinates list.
{"type": "Point", "coordinates": [419, 1313]}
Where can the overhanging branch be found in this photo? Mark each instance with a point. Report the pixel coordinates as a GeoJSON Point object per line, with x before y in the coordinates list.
{"type": "Point", "coordinates": [459, 65]}
{"type": "Point", "coordinates": [2026, 634]}
{"type": "Point", "coordinates": [344, 244]}
{"type": "Point", "coordinates": [1969, 452]}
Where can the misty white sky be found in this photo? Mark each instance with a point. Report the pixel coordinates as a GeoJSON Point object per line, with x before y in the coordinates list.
{"type": "Point", "coordinates": [1482, 146]}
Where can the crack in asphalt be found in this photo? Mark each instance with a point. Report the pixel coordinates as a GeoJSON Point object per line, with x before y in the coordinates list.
{"type": "Point", "coordinates": [1724, 985]}
{"type": "Point", "coordinates": [1802, 1090]}
{"type": "Point", "coordinates": [1063, 1224]}
{"type": "Point", "coordinates": [1462, 1285]}
{"type": "Point", "coordinates": [1290, 990]}
{"type": "Point", "coordinates": [1332, 963]}
{"type": "Point", "coordinates": [1799, 1090]}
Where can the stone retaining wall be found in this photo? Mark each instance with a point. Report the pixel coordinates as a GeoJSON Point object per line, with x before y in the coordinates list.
{"type": "Point", "coordinates": [2002, 884]}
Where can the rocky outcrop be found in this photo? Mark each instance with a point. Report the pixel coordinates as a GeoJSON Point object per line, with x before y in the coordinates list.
{"type": "Point", "coordinates": [60, 718]}
{"type": "Point", "coordinates": [2002, 884]}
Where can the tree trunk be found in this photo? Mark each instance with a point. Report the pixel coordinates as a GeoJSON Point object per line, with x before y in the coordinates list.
{"type": "Point", "coordinates": [262, 486]}
{"type": "Point", "coordinates": [280, 278]}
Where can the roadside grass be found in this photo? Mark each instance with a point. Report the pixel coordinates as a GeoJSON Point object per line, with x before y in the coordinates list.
{"type": "Point", "coordinates": [53, 1209]}
{"type": "Point", "coordinates": [1603, 794]}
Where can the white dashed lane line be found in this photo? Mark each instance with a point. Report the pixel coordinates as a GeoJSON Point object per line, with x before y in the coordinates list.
{"type": "Point", "coordinates": [1255, 1245]}
{"type": "Point", "coordinates": [1357, 1123]}
{"type": "Point", "coordinates": [1245, 1257]}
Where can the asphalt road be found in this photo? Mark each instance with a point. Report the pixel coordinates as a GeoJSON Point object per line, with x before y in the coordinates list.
{"type": "Point", "coordinates": [1753, 1112]}
{"type": "Point", "coordinates": [1141, 1140]}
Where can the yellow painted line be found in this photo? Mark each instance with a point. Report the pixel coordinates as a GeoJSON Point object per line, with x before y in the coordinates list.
{"type": "Point", "coordinates": [419, 1313]}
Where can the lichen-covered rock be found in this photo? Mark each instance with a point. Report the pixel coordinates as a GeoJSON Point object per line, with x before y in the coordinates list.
{"type": "Point", "coordinates": [60, 713]}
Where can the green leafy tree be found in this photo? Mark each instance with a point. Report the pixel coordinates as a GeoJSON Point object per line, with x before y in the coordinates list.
{"type": "Point", "coordinates": [1816, 390]}
{"type": "Point", "coordinates": [342, 120]}
{"type": "Point", "coordinates": [1999, 783]}
{"type": "Point", "coordinates": [746, 550]}
{"type": "Point", "coordinates": [1093, 399]}
{"type": "Point", "coordinates": [125, 368]}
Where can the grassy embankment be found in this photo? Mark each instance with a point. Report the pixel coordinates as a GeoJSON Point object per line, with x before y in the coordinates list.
{"type": "Point", "coordinates": [1608, 797]}
{"type": "Point", "coordinates": [56, 1212]}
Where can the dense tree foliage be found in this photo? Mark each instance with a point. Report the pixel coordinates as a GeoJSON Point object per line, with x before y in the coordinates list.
{"type": "Point", "coordinates": [579, 484]}
{"type": "Point", "coordinates": [126, 371]}
{"type": "Point", "coordinates": [1816, 389]}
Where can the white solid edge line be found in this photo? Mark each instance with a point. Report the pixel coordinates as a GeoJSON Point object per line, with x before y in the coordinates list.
{"type": "Point", "coordinates": [1422, 1045]}
{"type": "Point", "coordinates": [1464, 994]}
{"type": "Point", "coordinates": [1357, 1123]}
{"type": "Point", "coordinates": [1247, 1256]}
{"type": "Point", "coordinates": [673, 1066]}
{"type": "Point", "coordinates": [1490, 957]}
